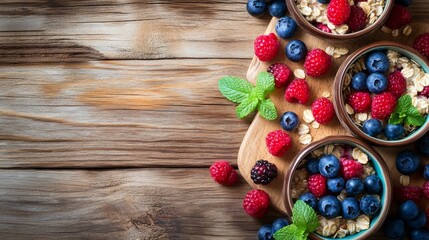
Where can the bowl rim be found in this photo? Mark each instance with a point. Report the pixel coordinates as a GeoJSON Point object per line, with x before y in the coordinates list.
{"type": "Point", "coordinates": [308, 27]}
{"type": "Point", "coordinates": [339, 101]}
{"type": "Point", "coordinates": [286, 193]}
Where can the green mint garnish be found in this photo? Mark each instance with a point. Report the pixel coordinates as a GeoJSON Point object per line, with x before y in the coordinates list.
{"type": "Point", "coordinates": [406, 113]}
{"type": "Point", "coordinates": [248, 97]}
{"type": "Point", "coordinates": [304, 220]}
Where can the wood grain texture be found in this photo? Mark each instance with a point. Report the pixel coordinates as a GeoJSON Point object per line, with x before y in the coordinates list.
{"type": "Point", "coordinates": [254, 148]}
{"type": "Point", "coordinates": [122, 204]}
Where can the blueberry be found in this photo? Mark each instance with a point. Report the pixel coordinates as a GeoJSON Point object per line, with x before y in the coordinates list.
{"type": "Point", "coordinates": [335, 184]}
{"type": "Point", "coordinates": [312, 165]}
{"type": "Point", "coordinates": [296, 50]}
{"type": "Point", "coordinates": [359, 81]}
{"type": "Point", "coordinates": [407, 162]}
{"type": "Point", "coordinates": [394, 131]}
{"type": "Point", "coordinates": [329, 206]}
{"type": "Point", "coordinates": [404, 3]}
{"type": "Point", "coordinates": [372, 184]}
{"type": "Point", "coordinates": [279, 223]}
{"type": "Point", "coordinates": [408, 210]}
{"type": "Point", "coordinates": [426, 172]}
{"type": "Point", "coordinates": [350, 208]}
{"type": "Point", "coordinates": [376, 83]}
{"type": "Point", "coordinates": [265, 233]}
{"type": "Point", "coordinates": [324, 1]}
{"type": "Point", "coordinates": [377, 62]}
{"type": "Point", "coordinates": [423, 145]}
{"type": "Point", "coordinates": [286, 27]}
{"type": "Point", "coordinates": [256, 8]}
{"type": "Point", "coordinates": [394, 228]}
{"type": "Point", "coordinates": [417, 222]}
{"type": "Point", "coordinates": [419, 234]}
{"type": "Point", "coordinates": [329, 166]}
{"type": "Point", "coordinates": [372, 127]}
{"type": "Point", "coordinates": [310, 199]}
{"type": "Point", "coordinates": [354, 186]}
{"type": "Point", "coordinates": [277, 8]}
{"type": "Point", "coordinates": [369, 204]}
{"type": "Point", "coordinates": [289, 121]}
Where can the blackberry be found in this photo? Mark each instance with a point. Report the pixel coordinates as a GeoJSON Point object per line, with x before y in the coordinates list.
{"type": "Point", "coordinates": [263, 172]}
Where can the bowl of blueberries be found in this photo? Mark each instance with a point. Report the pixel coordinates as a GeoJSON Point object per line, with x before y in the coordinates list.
{"type": "Point", "coordinates": [345, 181]}
{"type": "Point", "coordinates": [382, 94]}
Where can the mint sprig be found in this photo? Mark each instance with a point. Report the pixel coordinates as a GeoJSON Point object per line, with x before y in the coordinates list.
{"type": "Point", "coordinates": [304, 220]}
{"type": "Point", "coordinates": [406, 113]}
{"type": "Point", "coordinates": [248, 97]}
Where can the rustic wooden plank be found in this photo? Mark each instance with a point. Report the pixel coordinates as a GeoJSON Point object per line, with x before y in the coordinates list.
{"type": "Point", "coordinates": [123, 204]}
{"type": "Point", "coordinates": [118, 113]}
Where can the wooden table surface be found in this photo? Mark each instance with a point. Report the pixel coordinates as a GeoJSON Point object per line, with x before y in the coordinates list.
{"type": "Point", "coordinates": [110, 117]}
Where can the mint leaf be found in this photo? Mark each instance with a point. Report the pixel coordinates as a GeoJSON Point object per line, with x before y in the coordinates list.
{"type": "Point", "coordinates": [234, 89]}
{"type": "Point", "coordinates": [258, 93]}
{"type": "Point", "coordinates": [265, 82]}
{"type": "Point", "coordinates": [267, 110]}
{"type": "Point", "coordinates": [403, 104]}
{"type": "Point", "coordinates": [290, 232]}
{"type": "Point", "coordinates": [415, 119]}
{"type": "Point", "coordinates": [304, 216]}
{"type": "Point", "coordinates": [395, 119]}
{"type": "Point", "coordinates": [246, 107]}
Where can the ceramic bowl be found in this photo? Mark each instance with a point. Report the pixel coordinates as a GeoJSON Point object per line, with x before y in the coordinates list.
{"type": "Point", "coordinates": [378, 164]}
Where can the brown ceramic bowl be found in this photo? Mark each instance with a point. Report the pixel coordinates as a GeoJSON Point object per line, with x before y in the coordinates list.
{"type": "Point", "coordinates": [311, 29]}
{"type": "Point", "coordinates": [339, 101]}
{"type": "Point", "coordinates": [378, 164]}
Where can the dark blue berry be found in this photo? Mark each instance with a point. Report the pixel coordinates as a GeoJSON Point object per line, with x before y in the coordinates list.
{"type": "Point", "coordinates": [265, 233]}
{"type": "Point", "coordinates": [335, 184]}
{"type": "Point", "coordinates": [312, 165]}
{"type": "Point", "coordinates": [286, 27]}
{"type": "Point", "coordinates": [329, 166]}
{"type": "Point", "coordinates": [417, 222]}
{"type": "Point", "coordinates": [289, 121]}
{"type": "Point", "coordinates": [296, 50]}
{"type": "Point", "coordinates": [408, 210]}
{"type": "Point", "coordinates": [372, 184]}
{"type": "Point", "coordinates": [419, 234]}
{"type": "Point", "coordinates": [309, 199]}
{"type": "Point", "coordinates": [277, 8]}
{"type": "Point", "coordinates": [423, 145]}
{"type": "Point", "coordinates": [350, 208]}
{"type": "Point", "coordinates": [324, 1]}
{"type": "Point", "coordinates": [354, 186]}
{"type": "Point", "coordinates": [278, 224]}
{"type": "Point", "coordinates": [426, 172]}
{"type": "Point", "coordinates": [369, 205]}
{"type": "Point", "coordinates": [394, 131]}
{"type": "Point", "coordinates": [377, 62]}
{"type": "Point", "coordinates": [256, 8]}
{"type": "Point", "coordinates": [394, 228]}
{"type": "Point", "coordinates": [329, 206]}
{"type": "Point", "coordinates": [376, 83]}
{"type": "Point", "coordinates": [359, 81]}
{"type": "Point", "coordinates": [404, 3]}
{"type": "Point", "coordinates": [407, 162]}
{"type": "Point", "coordinates": [372, 127]}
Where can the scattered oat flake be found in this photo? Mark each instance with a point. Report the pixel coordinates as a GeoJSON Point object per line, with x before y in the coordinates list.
{"type": "Point", "coordinates": [330, 50]}
{"type": "Point", "coordinates": [362, 116]}
{"type": "Point", "coordinates": [349, 109]}
{"type": "Point", "coordinates": [404, 180]}
{"type": "Point", "coordinates": [336, 55]}
{"type": "Point", "coordinates": [407, 30]}
{"type": "Point", "coordinates": [303, 129]}
{"type": "Point", "coordinates": [315, 125]}
{"type": "Point", "coordinates": [308, 116]}
{"type": "Point", "coordinates": [305, 139]}
{"type": "Point", "coordinates": [341, 51]}
{"type": "Point", "coordinates": [386, 29]}
{"type": "Point", "coordinates": [326, 94]}
{"type": "Point", "coordinates": [395, 32]}
{"type": "Point", "coordinates": [299, 73]}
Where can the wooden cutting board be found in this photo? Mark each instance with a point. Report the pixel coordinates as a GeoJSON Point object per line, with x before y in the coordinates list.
{"type": "Point", "coordinates": [253, 146]}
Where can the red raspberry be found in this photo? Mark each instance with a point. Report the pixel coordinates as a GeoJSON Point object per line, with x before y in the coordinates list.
{"type": "Point", "coordinates": [421, 44]}
{"type": "Point", "coordinates": [360, 101]}
{"type": "Point", "coordinates": [425, 189]}
{"type": "Point", "coordinates": [256, 203]}
{"type": "Point", "coordinates": [425, 92]}
{"type": "Point", "coordinates": [383, 105]}
{"type": "Point", "coordinates": [297, 91]}
{"type": "Point", "coordinates": [266, 47]}
{"type": "Point", "coordinates": [281, 73]}
{"type": "Point", "coordinates": [278, 142]}
{"type": "Point", "coordinates": [403, 194]}
{"type": "Point", "coordinates": [323, 110]}
{"type": "Point", "coordinates": [323, 27]}
{"type": "Point", "coordinates": [223, 173]}
{"type": "Point", "coordinates": [357, 19]}
{"type": "Point", "coordinates": [316, 184]}
{"type": "Point", "coordinates": [350, 168]}
{"type": "Point", "coordinates": [398, 17]}
{"type": "Point", "coordinates": [317, 62]}
{"type": "Point", "coordinates": [397, 84]}
{"type": "Point", "coordinates": [338, 11]}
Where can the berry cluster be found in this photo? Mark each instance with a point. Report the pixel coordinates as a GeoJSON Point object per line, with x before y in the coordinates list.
{"type": "Point", "coordinates": [258, 8]}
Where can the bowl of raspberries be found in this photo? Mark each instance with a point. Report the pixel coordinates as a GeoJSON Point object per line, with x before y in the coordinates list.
{"type": "Point", "coordinates": [340, 19]}
{"type": "Point", "coordinates": [345, 181]}
{"type": "Point", "coordinates": [382, 94]}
